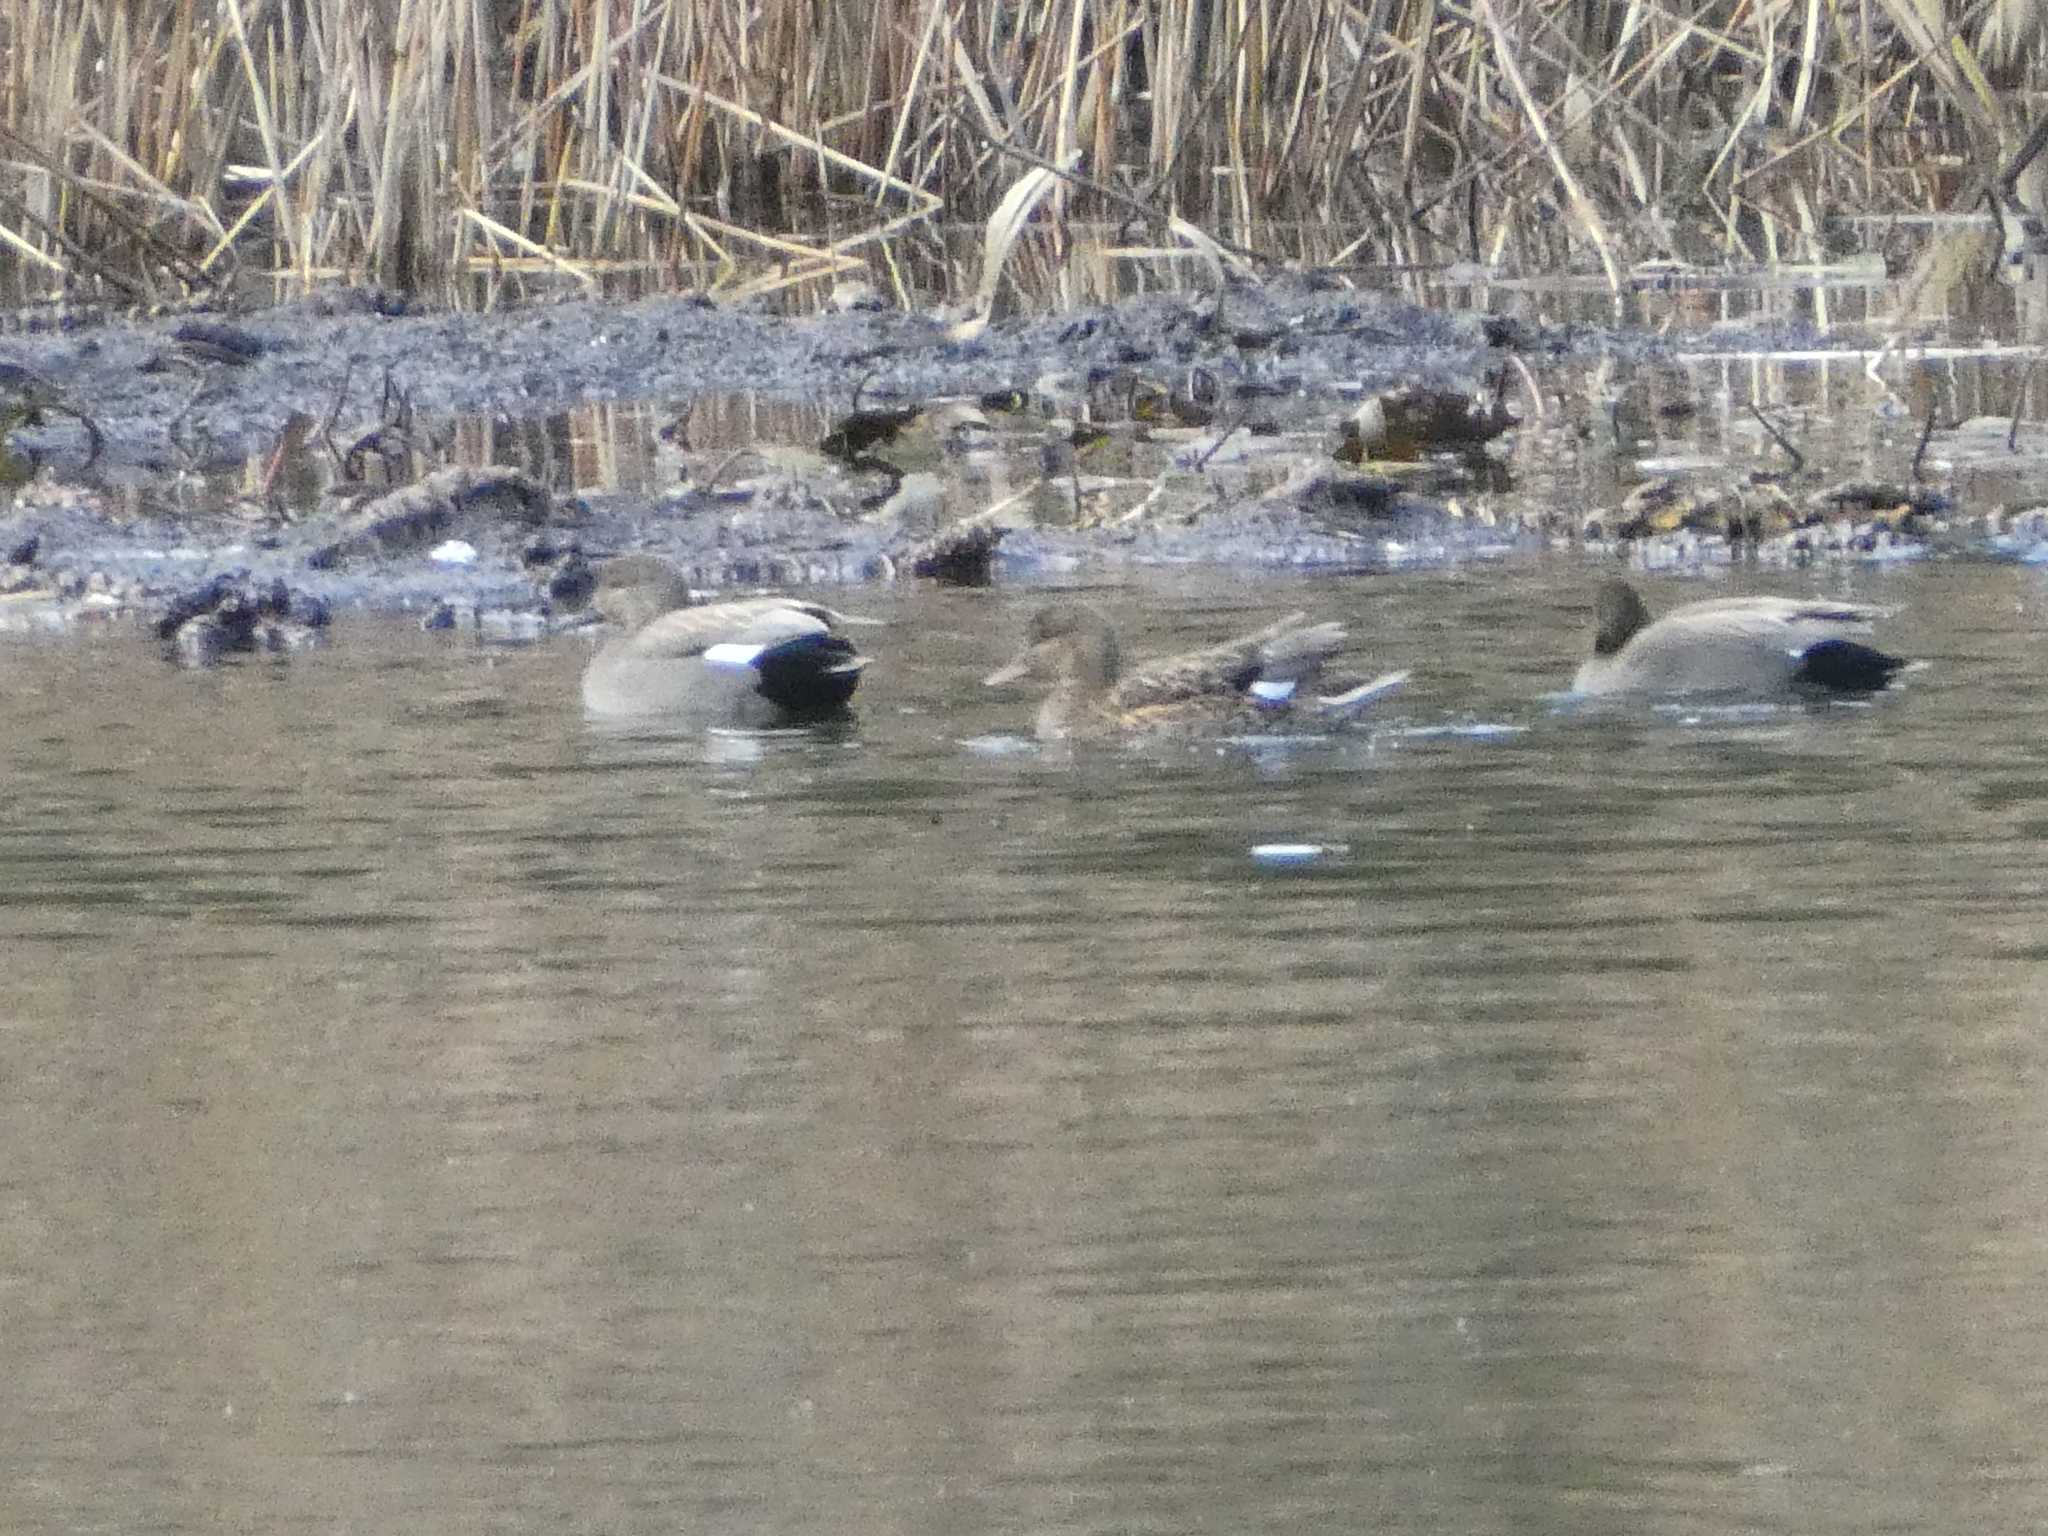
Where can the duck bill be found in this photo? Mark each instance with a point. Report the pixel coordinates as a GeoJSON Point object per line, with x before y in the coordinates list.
{"type": "Point", "coordinates": [1015, 672]}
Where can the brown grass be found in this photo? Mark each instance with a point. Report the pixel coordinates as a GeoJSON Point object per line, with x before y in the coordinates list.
{"type": "Point", "coordinates": [152, 148]}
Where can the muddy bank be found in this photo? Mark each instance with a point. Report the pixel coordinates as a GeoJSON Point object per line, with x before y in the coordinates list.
{"type": "Point", "coordinates": [137, 379]}
{"type": "Point", "coordinates": [175, 398]}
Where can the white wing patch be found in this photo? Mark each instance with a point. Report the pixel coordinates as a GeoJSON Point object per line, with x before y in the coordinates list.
{"type": "Point", "coordinates": [732, 654]}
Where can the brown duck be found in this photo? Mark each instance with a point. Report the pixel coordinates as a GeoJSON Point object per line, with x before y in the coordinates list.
{"type": "Point", "coordinates": [1255, 681]}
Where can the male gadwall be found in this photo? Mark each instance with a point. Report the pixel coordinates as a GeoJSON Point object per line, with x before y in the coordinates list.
{"type": "Point", "coordinates": [1746, 646]}
{"type": "Point", "coordinates": [752, 662]}
{"type": "Point", "coordinates": [1252, 681]}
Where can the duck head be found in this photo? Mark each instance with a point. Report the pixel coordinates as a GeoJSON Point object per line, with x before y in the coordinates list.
{"type": "Point", "coordinates": [633, 590]}
{"type": "Point", "coordinates": [1072, 647]}
{"type": "Point", "coordinates": [1618, 615]}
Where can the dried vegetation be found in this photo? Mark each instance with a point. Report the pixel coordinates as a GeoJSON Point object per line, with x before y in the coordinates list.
{"type": "Point", "coordinates": [151, 149]}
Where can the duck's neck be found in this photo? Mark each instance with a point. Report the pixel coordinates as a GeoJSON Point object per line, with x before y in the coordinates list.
{"type": "Point", "coordinates": [1619, 614]}
{"type": "Point", "coordinates": [640, 604]}
{"type": "Point", "coordinates": [1087, 676]}
{"type": "Point", "coordinates": [1093, 662]}
{"type": "Point", "coordinates": [1056, 715]}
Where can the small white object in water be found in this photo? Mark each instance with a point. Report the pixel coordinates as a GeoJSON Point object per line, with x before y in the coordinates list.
{"type": "Point", "coordinates": [856, 293]}
{"type": "Point", "coordinates": [1295, 853]}
{"type": "Point", "coordinates": [1002, 746]}
{"type": "Point", "coordinates": [732, 654]}
{"type": "Point", "coordinates": [454, 552]}
{"type": "Point", "coordinates": [1675, 464]}
{"type": "Point", "coordinates": [1479, 730]}
{"type": "Point", "coordinates": [509, 623]}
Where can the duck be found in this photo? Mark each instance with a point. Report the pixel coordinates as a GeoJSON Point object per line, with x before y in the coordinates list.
{"type": "Point", "coordinates": [749, 662]}
{"type": "Point", "coordinates": [1756, 647]}
{"type": "Point", "coordinates": [1256, 680]}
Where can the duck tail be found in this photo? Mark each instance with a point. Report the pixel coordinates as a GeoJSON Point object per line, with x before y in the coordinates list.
{"type": "Point", "coordinates": [1846, 666]}
{"type": "Point", "coordinates": [810, 677]}
{"type": "Point", "coordinates": [1354, 701]}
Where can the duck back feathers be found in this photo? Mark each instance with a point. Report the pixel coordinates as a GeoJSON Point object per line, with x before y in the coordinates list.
{"type": "Point", "coordinates": [1755, 646]}
{"type": "Point", "coordinates": [751, 661]}
{"type": "Point", "coordinates": [1252, 678]}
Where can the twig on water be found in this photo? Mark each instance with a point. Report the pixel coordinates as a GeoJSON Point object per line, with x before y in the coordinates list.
{"type": "Point", "coordinates": [2019, 404]}
{"type": "Point", "coordinates": [1791, 450]}
{"type": "Point", "coordinates": [1216, 447]}
{"type": "Point", "coordinates": [334, 419]}
{"type": "Point", "coordinates": [1926, 433]}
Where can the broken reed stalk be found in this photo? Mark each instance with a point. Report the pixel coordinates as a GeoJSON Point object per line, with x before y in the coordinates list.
{"type": "Point", "coordinates": [1926, 436]}
{"type": "Point", "coordinates": [1582, 205]}
{"type": "Point", "coordinates": [2019, 408]}
{"type": "Point", "coordinates": [398, 139]}
{"type": "Point", "coordinates": [1791, 449]}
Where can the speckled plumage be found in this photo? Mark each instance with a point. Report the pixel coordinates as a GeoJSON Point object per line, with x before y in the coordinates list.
{"type": "Point", "coordinates": [1075, 648]}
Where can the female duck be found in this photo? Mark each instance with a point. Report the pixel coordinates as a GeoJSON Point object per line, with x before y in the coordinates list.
{"type": "Point", "coordinates": [1252, 681]}
{"type": "Point", "coordinates": [1743, 646]}
{"type": "Point", "coordinates": [752, 662]}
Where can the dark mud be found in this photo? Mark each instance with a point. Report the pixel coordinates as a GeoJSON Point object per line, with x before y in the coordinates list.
{"type": "Point", "coordinates": [172, 399]}
{"type": "Point", "coordinates": [137, 378]}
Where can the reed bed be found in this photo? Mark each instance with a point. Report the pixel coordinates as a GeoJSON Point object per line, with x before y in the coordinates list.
{"type": "Point", "coordinates": [149, 149]}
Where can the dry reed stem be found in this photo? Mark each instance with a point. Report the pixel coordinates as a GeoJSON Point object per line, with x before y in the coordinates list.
{"type": "Point", "coordinates": [28, 250]}
{"type": "Point", "coordinates": [271, 193]}
{"type": "Point", "coordinates": [800, 140]}
{"type": "Point", "coordinates": [539, 252]}
{"type": "Point", "coordinates": [156, 189]}
{"type": "Point", "coordinates": [1005, 225]}
{"type": "Point", "coordinates": [1588, 215]}
{"type": "Point", "coordinates": [589, 127]}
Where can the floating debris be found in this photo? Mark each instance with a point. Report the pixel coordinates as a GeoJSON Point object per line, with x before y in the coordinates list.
{"type": "Point", "coordinates": [1470, 730]}
{"type": "Point", "coordinates": [229, 614]}
{"type": "Point", "coordinates": [856, 295]}
{"type": "Point", "coordinates": [961, 556]}
{"type": "Point", "coordinates": [917, 504]}
{"type": "Point", "coordinates": [211, 341]}
{"type": "Point", "coordinates": [853, 435]}
{"type": "Point", "coordinates": [564, 575]}
{"type": "Point", "coordinates": [431, 507]}
{"type": "Point", "coordinates": [1746, 506]}
{"type": "Point", "coordinates": [1412, 420]}
{"type": "Point", "coordinates": [1903, 508]}
{"type": "Point", "coordinates": [1296, 854]}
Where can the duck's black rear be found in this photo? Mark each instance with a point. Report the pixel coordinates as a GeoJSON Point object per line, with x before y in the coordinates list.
{"type": "Point", "coordinates": [1846, 666]}
{"type": "Point", "coordinates": [810, 676]}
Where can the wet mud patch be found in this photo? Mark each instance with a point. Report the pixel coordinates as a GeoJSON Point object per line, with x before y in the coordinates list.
{"type": "Point", "coordinates": [281, 446]}
{"type": "Point", "coordinates": [753, 450]}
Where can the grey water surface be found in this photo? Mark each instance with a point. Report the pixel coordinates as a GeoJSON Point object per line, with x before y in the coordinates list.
{"type": "Point", "coordinates": [421, 1110]}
